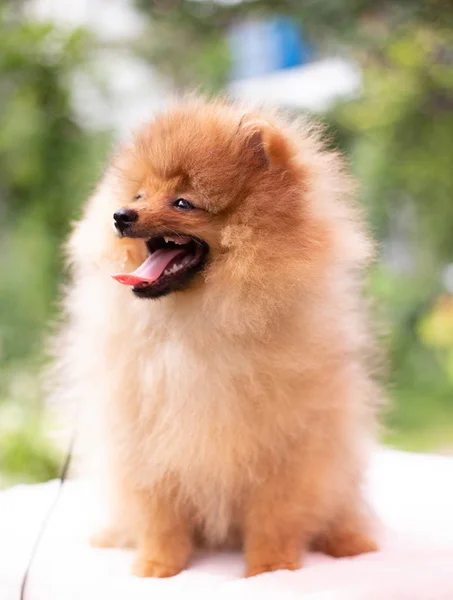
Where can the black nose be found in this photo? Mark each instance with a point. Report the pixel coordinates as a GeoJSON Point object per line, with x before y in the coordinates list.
{"type": "Point", "coordinates": [123, 218]}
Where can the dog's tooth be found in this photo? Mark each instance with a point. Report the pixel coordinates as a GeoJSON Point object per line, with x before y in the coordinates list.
{"type": "Point", "coordinates": [177, 266]}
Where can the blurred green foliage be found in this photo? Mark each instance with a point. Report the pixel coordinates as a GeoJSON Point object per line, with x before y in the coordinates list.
{"type": "Point", "coordinates": [401, 144]}
{"type": "Point", "coordinates": [48, 163]}
{"type": "Point", "coordinates": [398, 135]}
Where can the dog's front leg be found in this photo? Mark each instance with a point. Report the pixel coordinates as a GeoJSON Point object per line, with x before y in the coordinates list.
{"type": "Point", "coordinates": [164, 537]}
{"type": "Point", "coordinates": [274, 527]}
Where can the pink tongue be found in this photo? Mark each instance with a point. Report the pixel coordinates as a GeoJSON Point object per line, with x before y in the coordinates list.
{"type": "Point", "coordinates": [151, 269]}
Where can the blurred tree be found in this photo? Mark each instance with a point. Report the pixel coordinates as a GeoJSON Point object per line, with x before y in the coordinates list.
{"type": "Point", "coordinates": [187, 37]}
{"type": "Point", "coordinates": [48, 162]}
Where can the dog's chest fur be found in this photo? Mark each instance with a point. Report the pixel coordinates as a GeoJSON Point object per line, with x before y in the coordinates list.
{"type": "Point", "coordinates": [193, 405]}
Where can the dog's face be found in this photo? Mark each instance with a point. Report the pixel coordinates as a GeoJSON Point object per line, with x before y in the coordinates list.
{"type": "Point", "coordinates": [192, 182]}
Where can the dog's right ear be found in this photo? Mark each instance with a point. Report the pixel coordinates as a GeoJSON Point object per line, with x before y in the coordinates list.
{"type": "Point", "coordinates": [263, 142]}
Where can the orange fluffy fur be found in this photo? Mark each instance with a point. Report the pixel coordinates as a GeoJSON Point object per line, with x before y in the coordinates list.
{"type": "Point", "coordinates": [239, 411]}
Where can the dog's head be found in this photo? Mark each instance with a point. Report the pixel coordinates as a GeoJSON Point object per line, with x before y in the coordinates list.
{"type": "Point", "coordinates": [200, 182]}
{"type": "Point", "coordinates": [209, 193]}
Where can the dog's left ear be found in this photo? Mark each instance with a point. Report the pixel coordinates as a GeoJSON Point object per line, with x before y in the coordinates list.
{"type": "Point", "coordinates": [263, 143]}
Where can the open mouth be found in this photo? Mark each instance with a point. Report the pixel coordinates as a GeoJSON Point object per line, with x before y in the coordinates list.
{"type": "Point", "coordinates": [172, 263]}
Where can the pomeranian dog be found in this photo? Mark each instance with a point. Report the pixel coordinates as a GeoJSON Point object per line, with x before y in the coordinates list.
{"type": "Point", "coordinates": [224, 367]}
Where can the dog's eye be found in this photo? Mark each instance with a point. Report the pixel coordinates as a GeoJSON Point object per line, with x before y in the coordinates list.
{"type": "Point", "coordinates": [183, 204]}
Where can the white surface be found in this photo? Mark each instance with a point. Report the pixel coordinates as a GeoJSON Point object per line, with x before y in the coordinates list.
{"type": "Point", "coordinates": [413, 495]}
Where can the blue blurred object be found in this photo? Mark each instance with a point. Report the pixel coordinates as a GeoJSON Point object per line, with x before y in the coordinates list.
{"type": "Point", "coordinates": [264, 46]}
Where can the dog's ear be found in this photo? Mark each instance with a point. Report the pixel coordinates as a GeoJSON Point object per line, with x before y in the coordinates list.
{"type": "Point", "coordinates": [261, 141]}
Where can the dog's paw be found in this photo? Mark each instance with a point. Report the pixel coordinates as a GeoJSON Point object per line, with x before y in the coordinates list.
{"type": "Point", "coordinates": [348, 544]}
{"type": "Point", "coordinates": [253, 570]}
{"type": "Point", "coordinates": [151, 568]}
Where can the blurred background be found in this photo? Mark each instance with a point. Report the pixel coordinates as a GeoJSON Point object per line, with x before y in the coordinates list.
{"type": "Point", "coordinates": [75, 76]}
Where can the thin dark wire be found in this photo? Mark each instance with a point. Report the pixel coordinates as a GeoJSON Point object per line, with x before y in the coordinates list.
{"type": "Point", "coordinates": [45, 521]}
